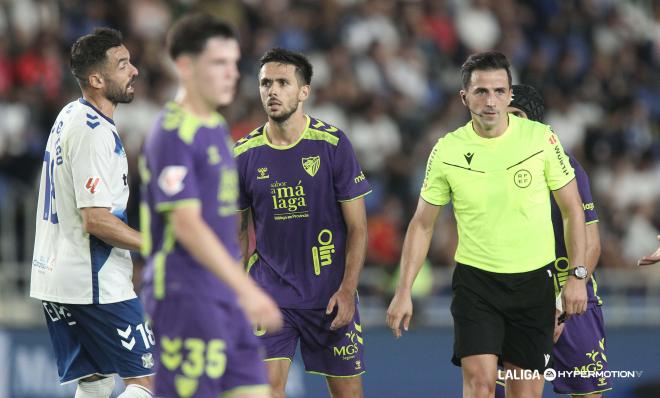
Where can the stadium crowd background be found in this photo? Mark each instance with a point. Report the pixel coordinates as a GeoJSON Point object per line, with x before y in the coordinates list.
{"type": "Point", "coordinates": [386, 72]}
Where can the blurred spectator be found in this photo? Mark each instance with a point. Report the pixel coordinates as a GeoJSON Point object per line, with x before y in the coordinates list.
{"type": "Point", "coordinates": [386, 72]}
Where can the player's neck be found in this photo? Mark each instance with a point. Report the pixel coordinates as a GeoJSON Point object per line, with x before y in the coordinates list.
{"type": "Point", "coordinates": [194, 105]}
{"type": "Point", "coordinates": [286, 132]}
{"type": "Point", "coordinates": [102, 104]}
{"type": "Point", "coordinates": [493, 132]}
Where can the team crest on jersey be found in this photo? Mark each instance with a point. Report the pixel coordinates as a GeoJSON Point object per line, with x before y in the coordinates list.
{"type": "Point", "coordinates": [92, 185]}
{"type": "Point", "coordinates": [311, 164]}
{"type": "Point", "coordinates": [147, 360]}
{"type": "Point", "coordinates": [171, 179]}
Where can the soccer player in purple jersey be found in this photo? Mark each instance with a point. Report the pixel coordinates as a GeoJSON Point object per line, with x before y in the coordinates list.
{"type": "Point", "coordinates": [580, 340]}
{"type": "Point", "coordinates": [651, 258]}
{"type": "Point", "coordinates": [195, 289]}
{"type": "Point", "coordinates": [302, 185]}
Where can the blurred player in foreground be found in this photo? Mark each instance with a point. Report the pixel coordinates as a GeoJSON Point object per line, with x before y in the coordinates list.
{"type": "Point", "coordinates": [196, 291]}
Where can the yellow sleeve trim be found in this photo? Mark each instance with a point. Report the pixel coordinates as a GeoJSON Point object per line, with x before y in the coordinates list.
{"type": "Point", "coordinates": [592, 222]}
{"type": "Point", "coordinates": [164, 207]}
{"type": "Point", "coordinates": [249, 144]}
{"type": "Point", "coordinates": [251, 261]}
{"type": "Point", "coordinates": [357, 197]}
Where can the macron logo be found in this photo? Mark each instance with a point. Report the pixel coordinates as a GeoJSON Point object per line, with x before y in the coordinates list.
{"type": "Point", "coordinates": [468, 157]}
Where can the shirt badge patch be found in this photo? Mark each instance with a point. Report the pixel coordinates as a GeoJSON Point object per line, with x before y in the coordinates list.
{"type": "Point", "coordinates": [171, 179]}
{"type": "Point", "coordinates": [311, 164]}
{"type": "Point", "coordinates": [263, 173]}
{"type": "Point", "coordinates": [147, 360]}
{"type": "Point", "coordinates": [92, 185]}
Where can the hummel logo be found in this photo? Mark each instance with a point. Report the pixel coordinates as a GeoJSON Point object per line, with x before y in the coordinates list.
{"type": "Point", "coordinates": [468, 157]}
{"type": "Point", "coordinates": [263, 173]}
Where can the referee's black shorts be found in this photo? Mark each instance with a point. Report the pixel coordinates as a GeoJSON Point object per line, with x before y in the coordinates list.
{"type": "Point", "coordinates": [508, 315]}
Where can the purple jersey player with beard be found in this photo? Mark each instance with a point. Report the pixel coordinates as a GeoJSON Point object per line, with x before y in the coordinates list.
{"type": "Point", "coordinates": [195, 289]}
{"type": "Point", "coordinates": [302, 185]}
{"type": "Point", "coordinates": [580, 340]}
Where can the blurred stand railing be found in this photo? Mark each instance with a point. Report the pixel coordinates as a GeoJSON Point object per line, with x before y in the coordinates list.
{"type": "Point", "coordinates": [18, 203]}
{"type": "Point", "coordinates": [631, 298]}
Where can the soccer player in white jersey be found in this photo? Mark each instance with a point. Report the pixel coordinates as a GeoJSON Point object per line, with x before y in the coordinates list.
{"type": "Point", "coordinates": [81, 269]}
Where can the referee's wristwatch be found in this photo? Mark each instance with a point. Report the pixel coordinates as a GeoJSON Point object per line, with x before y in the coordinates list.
{"type": "Point", "coordinates": [580, 272]}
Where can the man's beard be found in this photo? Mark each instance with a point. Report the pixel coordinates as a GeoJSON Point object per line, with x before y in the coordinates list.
{"type": "Point", "coordinates": [116, 95]}
{"type": "Point", "coordinates": [284, 117]}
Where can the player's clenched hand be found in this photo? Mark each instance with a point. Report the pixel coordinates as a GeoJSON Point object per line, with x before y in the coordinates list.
{"type": "Point", "coordinates": [651, 258]}
{"type": "Point", "coordinates": [401, 309]}
{"type": "Point", "coordinates": [574, 296]}
{"type": "Point", "coordinates": [260, 309]}
{"type": "Point", "coordinates": [345, 300]}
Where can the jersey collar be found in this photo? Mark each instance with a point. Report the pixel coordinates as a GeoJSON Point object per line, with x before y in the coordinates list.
{"type": "Point", "coordinates": [285, 147]}
{"type": "Point", "coordinates": [89, 104]}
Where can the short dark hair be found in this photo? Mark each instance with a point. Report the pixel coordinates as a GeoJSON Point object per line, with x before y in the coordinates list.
{"type": "Point", "coordinates": [529, 100]}
{"type": "Point", "coordinates": [190, 33]}
{"type": "Point", "coordinates": [89, 52]}
{"type": "Point", "coordinates": [489, 60]}
{"type": "Point", "coordinates": [283, 56]}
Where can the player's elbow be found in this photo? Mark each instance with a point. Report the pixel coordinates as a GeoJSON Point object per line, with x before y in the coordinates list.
{"type": "Point", "coordinates": [92, 220]}
{"type": "Point", "coordinates": [185, 223]}
{"type": "Point", "coordinates": [594, 249]}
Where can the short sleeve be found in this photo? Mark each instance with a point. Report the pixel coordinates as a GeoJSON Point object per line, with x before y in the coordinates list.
{"type": "Point", "coordinates": [90, 156]}
{"type": "Point", "coordinates": [349, 180]}
{"type": "Point", "coordinates": [244, 198]}
{"type": "Point", "coordinates": [558, 171]}
{"type": "Point", "coordinates": [435, 189]}
{"type": "Point", "coordinates": [590, 214]}
{"type": "Point", "coordinates": [172, 163]}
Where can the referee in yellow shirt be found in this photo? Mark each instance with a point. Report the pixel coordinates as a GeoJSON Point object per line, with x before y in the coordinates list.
{"type": "Point", "coordinates": [498, 171]}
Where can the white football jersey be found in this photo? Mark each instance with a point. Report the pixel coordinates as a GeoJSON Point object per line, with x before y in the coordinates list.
{"type": "Point", "coordinates": [84, 166]}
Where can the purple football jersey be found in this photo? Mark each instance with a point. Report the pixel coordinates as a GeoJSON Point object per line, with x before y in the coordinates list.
{"type": "Point", "coordinates": [186, 161]}
{"type": "Point", "coordinates": [294, 193]}
{"type": "Point", "coordinates": [561, 267]}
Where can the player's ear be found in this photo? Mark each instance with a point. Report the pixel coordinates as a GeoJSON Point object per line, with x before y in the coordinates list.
{"type": "Point", "coordinates": [184, 66]}
{"type": "Point", "coordinates": [304, 92]}
{"type": "Point", "coordinates": [95, 80]}
{"type": "Point", "coordinates": [462, 94]}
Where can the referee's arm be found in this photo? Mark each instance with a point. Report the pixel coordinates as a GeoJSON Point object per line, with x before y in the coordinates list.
{"type": "Point", "coordinates": [574, 292]}
{"type": "Point", "coordinates": [415, 248]}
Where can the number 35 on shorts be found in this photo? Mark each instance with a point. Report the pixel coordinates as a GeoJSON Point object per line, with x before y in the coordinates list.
{"type": "Point", "coordinates": [194, 356]}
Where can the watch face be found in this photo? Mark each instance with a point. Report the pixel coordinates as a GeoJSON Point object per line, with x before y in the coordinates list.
{"type": "Point", "coordinates": [581, 272]}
